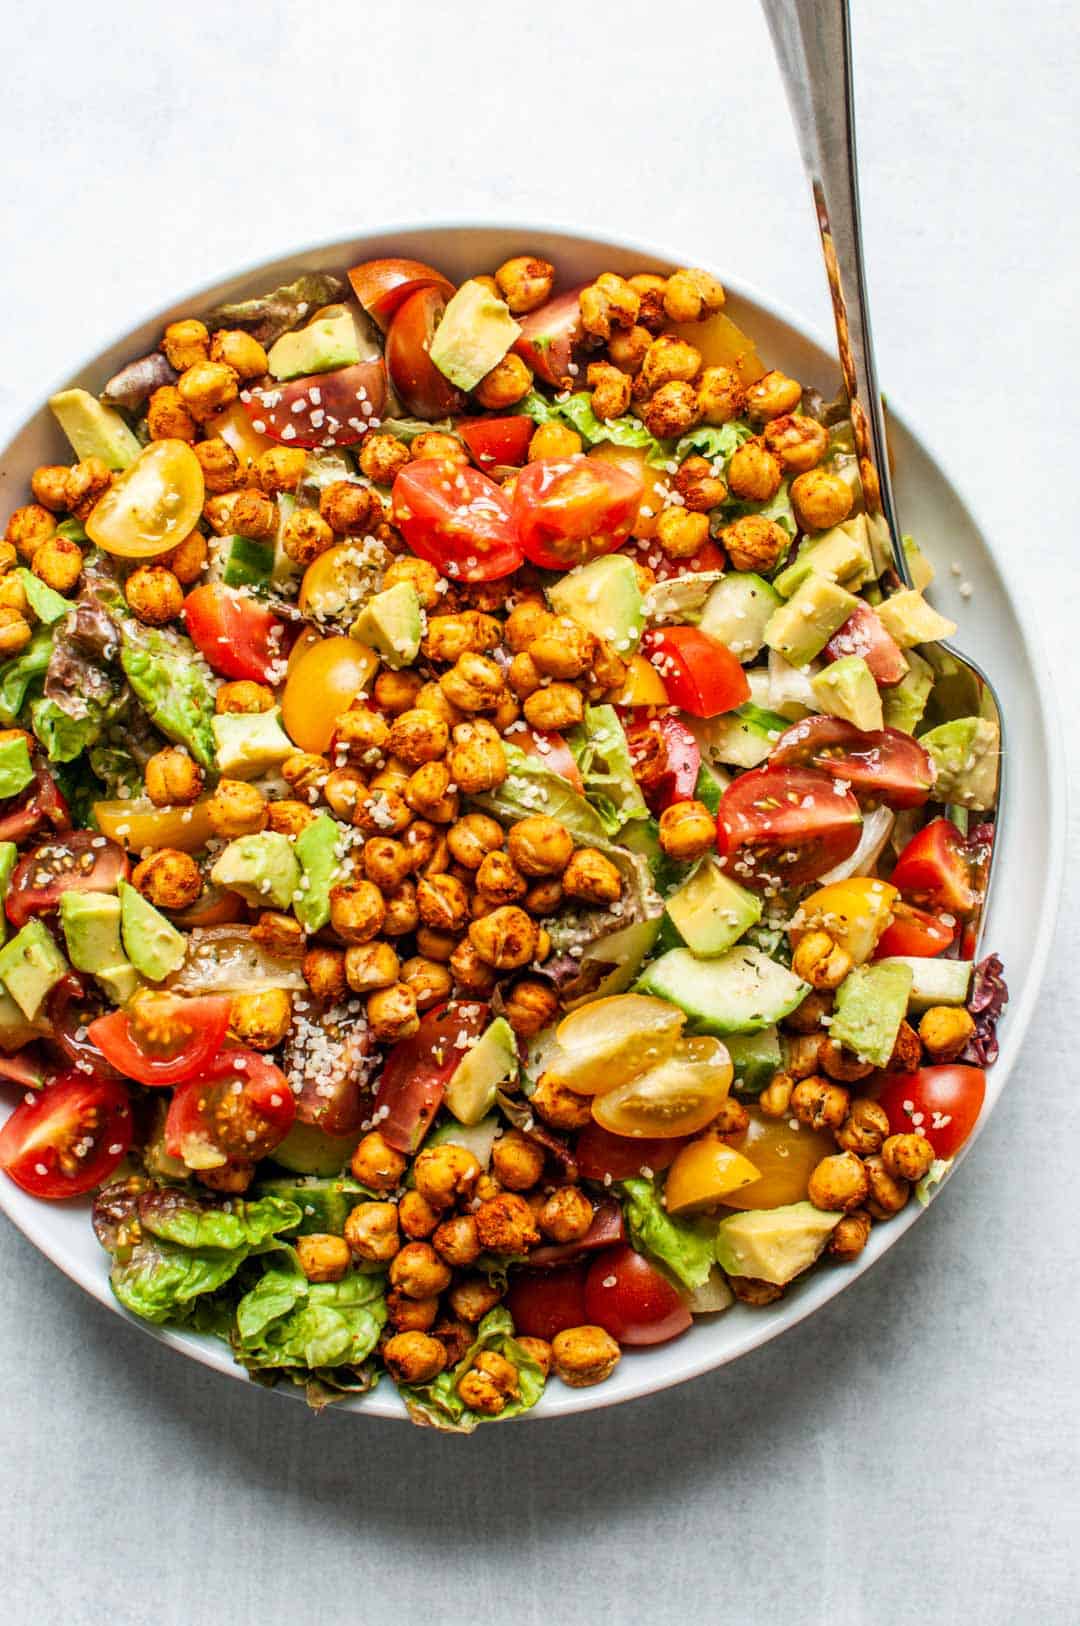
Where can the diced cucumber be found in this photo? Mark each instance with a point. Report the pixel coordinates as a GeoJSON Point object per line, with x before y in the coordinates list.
{"type": "Point", "coordinates": [755, 1057]}
{"type": "Point", "coordinates": [476, 1138]}
{"type": "Point", "coordinates": [610, 964]}
{"type": "Point", "coordinates": [736, 613]}
{"type": "Point", "coordinates": [247, 563]}
{"type": "Point", "coordinates": [744, 737]}
{"type": "Point", "coordinates": [741, 991]}
{"type": "Point", "coordinates": [324, 1203]}
{"type": "Point", "coordinates": [934, 982]}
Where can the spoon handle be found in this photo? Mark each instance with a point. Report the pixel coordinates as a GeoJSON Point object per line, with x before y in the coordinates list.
{"type": "Point", "coordinates": [812, 39]}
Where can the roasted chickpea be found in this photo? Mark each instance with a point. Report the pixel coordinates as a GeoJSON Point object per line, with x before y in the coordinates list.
{"type": "Point", "coordinates": [382, 458]}
{"type": "Point", "coordinates": [418, 736]}
{"type": "Point", "coordinates": [611, 390]}
{"type": "Point", "coordinates": [448, 637]}
{"type": "Point", "coordinates": [167, 416]}
{"type": "Point", "coordinates": [236, 809]}
{"type": "Point", "coordinates": [280, 468]}
{"type": "Point", "coordinates": [207, 388]}
{"type": "Point", "coordinates": [526, 622]}
{"type": "Point", "coordinates": [323, 970]}
{"type": "Point", "coordinates": [592, 877]}
{"type": "Point", "coordinates": [88, 481]}
{"type": "Point", "coordinates": [806, 1017]}
{"type": "Point", "coordinates": [907, 1157]}
{"type": "Point", "coordinates": [650, 290]}
{"type": "Point", "coordinates": [506, 939]}
{"type": "Point", "coordinates": [851, 1235]}
{"type": "Point", "coordinates": [775, 1099]}
{"type": "Point", "coordinates": [350, 509]}
{"type": "Point", "coordinates": [698, 486]}
{"type": "Point", "coordinates": [821, 499]}
{"type": "Point", "coordinates": [720, 395]}
{"type": "Point", "coordinates": [556, 707]}
{"type": "Point", "coordinates": [58, 563]}
{"type": "Point", "coordinates": [539, 845]}
{"type": "Point", "coordinates": [402, 913]}
{"type": "Point", "coordinates": [752, 1290]}
{"type": "Point", "coordinates": [288, 818]}
{"type": "Point", "coordinates": [517, 1162]}
{"type": "Point", "coordinates": [49, 484]}
{"type": "Point", "coordinates": [382, 811]}
{"type": "Point", "coordinates": [261, 1019]}
{"type": "Point", "coordinates": [322, 1257]}
{"type": "Point", "coordinates": [154, 594]}
{"type": "Point", "coordinates": [13, 593]}
{"type": "Point", "coordinates": [186, 344]}
{"type": "Point", "coordinates": [239, 350]}
{"type": "Point", "coordinates": [558, 1106]}
{"type": "Point", "coordinates": [799, 443]}
{"type": "Point", "coordinates": [443, 903]}
{"type": "Point", "coordinates": [473, 683]}
{"type": "Point", "coordinates": [671, 411]}
{"type": "Point", "coordinates": [687, 831]}
{"type": "Point", "coordinates": [357, 911]}
{"type": "Point", "coordinates": [888, 1194]}
{"type": "Point", "coordinates": [530, 1005]}
{"type": "Point", "coordinates": [413, 1357]}
{"type": "Point", "coordinates": [371, 1231]}
{"type": "Point", "coordinates": [582, 1356]}
{"type": "Point", "coordinates": [472, 1298]}
{"type": "Point", "coordinates": [505, 1224]}
{"type": "Point", "coordinates": [566, 1215]}
{"type": "Point", "coordinates": [253, 514]}
{"type": "Point", "coordinates": [819, 961]}
{"type": "Point", "coordinates": [168, 879]}
{"type": "Point", "coordinates": [819, 1104]}
{"type": "Point", "coordinates": [396, 691]}
{"type": "Point", "coordinates": [772, 397]}
{"type": "Point", "coordinates": [945, 1031]}
{"type": "Point", "coordinates": [471, 974]}
{"type": "Point", "coordinates": [838, 1182]}
{"type": "Point", "coordinates": [423, 578]}
{"type": "Point", "coordinates": [628, 348]}
{"type": "Point", "coordinates": [391, 1013]}
{"type": "Point", "coordinates": [554, 440]}
{"type": "Point", "coordinates": [525, 282]}
{"type": "Point", "coordinates": [377, 1164]}
{"type": "Point", "coordinates": [498, 881]}
{"type": "Point", "coordinates": [220, 465]}
{"type": "Point", "coordinates": [472, 838]}
{"type": "Point", "coordinates": [506, 383]}
{"type": "Point", "coordinates": [416, 1216]}
{"type": "Point", "coordinates": [681, 532]}
{"type": "Point", "coordinates": [803, 1052]}
{"type": "Point", "coordinates": [499, 1371]}
{"type": "Point", "coordinates": [173, 777]}
{"type": "Point", "coordinates": [430, 982]}
{"type": "Point", "coordinates": [607, 304]}
{"type": "Point", "coordinates": [386, 862]}
{"type": "Point", "coordinates": [476, 759]}
{"type": "Point", "coordinates": [418, 1272]}
{"type": "Point", "coordinates": [753, 473]}
{"type": "Point", "coordinates": [669, 359]}
{"type": "Point", "coordinates": [371, 966]}
{"type": "Point", "coordinates": [278, 934]}
{"type": "Point", "coordinates": [906, 1051]}
{"type": "Point", "coordinates": [691, 295]}
{"type": "Point", "coordinates": [426, 847]}
{"type": "Point", "coordinates": [523, 675]}
{"type": "Point", "coordinates": [456, 1241]}
{"type": "Point", "coordinates": [188, 559]}
{"type": "Point", "coordinates": [539, 1352]}
{"type": "Point", "coordinates": [755, 543]}
{"type": "Point", "coordinates": [564, 649]}
{"type": "Point", "coordinates": [864, 1129]}
{"type": "Point", "coordinates": [305, 536]}
{"type": "Point", "coordinates": [841, 1064]}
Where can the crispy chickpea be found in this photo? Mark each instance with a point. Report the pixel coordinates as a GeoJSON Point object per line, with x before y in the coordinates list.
{"type": "Point", "coordinates": [692, 295]}
{"type": "Point", "coordinates": [554, 440]}
{"type": "Point", "coordinates": [280, 468]}
{"type": "Point", "coordinates": [668, 360]}
{"type": "Point", "coordinates": [350, 509]}
{"type": "Point", "coordinates": [472, 975]}
{"type": "Point", "coordinates": [218, 513]}
{"type": "Point", "coordinates": [456, 1241]}
{"type": "Point", "coordinates": [775, 1099]}
{"type": "Point", "coordinates": [418, 736]}
{"type": "Point", "coordinates": [819, 1104]}
{"type": "Point", "coordinates": [411, 1315]}
{"type": "Point", "coordinates": [564, 649]}
{"type": "Point", "coordinates": [360, 736]}
{"type": "Point", "coordinates": [377, 1164]}
{"type": "Point", "coordinates": [88, 481]}
{"type": "Point", "coordinates": [819, 961]}
{"type": "Point", "coordinates": [566, 1215]}
{"type": "Point", "coordinates": [498, 880]}
{"type": "Point", "coordinates": [443, 902]}
{"type": "Point", "coordinates": [323, 969]}
{"type": "Point", "coordinates": [505, 1224]}
{"type": "Point", "coordinates": [592, 877]}
{"type": "Point", "coordinates": [506, 939]}
{"type": "Point", "coordinates": [382, 458]}
{"type": "Point", "coordinates": [628, 348]}
{"type": "Point", "coordinates": [516, 1161]}
{"type": "Point", "coordinates": [906, 1051]}
{"type": "Point", "coordinates": [386, 862]}
{"type": "Point", "coordinates": [698, 486]}
{"type": "Point", "coordinates": [555, 707]}
{"type": "Point", "coordinates": [472, 1298]}
{"type": "Point", "coordinates": [851, 1235]}
{"type": "Point", "coordinates": [321, 1257]}
{"type": "Point", "coordinates": [430, 982]}
{"type": "Point", "coordinates": [58, 563]}
{"type": "Point", "coordinates": [864, 1129]}
{"type": "Point", "coordinates": [505, 384]}
{"type": "Point", "coordinates": [418, 1272]}
{"type": "Point", "coordinates": [172, 776]}
{"type": "Point", "coordinates": [907, 1157]}
{"type": "Point", "coordinates": [755, 543]}
{"type": "Point", "coordinates": [753, 473]}
{"type": "Point", "coordinates": [423, 578]}
{"type": "Point", "coordinates": [236, 809]}
{"type": "Point", "coordinates": [371, 1231]}
{"type": "Point", "coordinates": [772, 397]}
{"type": "Point", "coordinates": [472, 838]}
{"type": "Point", "coordinates": [799, 443]}
{"type": "Point", "coordinates": [582, 1356]}
{"type": "Point", "coordinates": [539, 845]}
{"type": "Point", "coordinates": [49, 485]}
{"type": "Point", "coordinates": [803, 1052]}
{"type": "Point", "coordinates": [523, 675]}
{"type": "Point", "coordinates": [500, 1372]}
{"type": "Point", "coordinates": [154, 594]}
{"type": "Point", "coordinates": [752, 1290]}
{"type": "Point", "coordinates": [261, 1019]}
{"type": "Point", "coordinates": [416, 1216]}
{"type": "Point", "coordinates": [455, 1337]}
{"type": "Point", "coordinates": [681, 532]}
{"type": "Point", "coordinates": [888, 1195]}
{"type": "Point", "coordinates": [253, 514]}
{"type": "Point", "coordinates": [207, 388]}
{"type": "Point", "coordinates": [305, 536]}
{"type": "Point", "coordinates": [650, 290]}
{"type": "Point", "coordinates": [525, 282]}
{"type": "Point", "coordinates": [720, 395]}
{"type": "Point", "coordinates": [278, 934]}
{"type": "Point", "coordinates": [838, 1182]}
{"type": "Point", "coordinates": [13, 593]}
{"type": "Point", "coordinates": [476, 759]}
{"type": "Point", "coordinates": [945, 1031]}
{"type": "Point", "coordinates": [396, 691]}
{"type": "Point", "coordinates": [167, 416]}
{"type": "Point", "coordinates": [391, 1013]}
{"type": "Point", "coordinates": [530, 1005]}
{"type": "Point", "coordinates": [841, 1064]}
{"type": "Point", "coordinates": [448, 637]}
{"type": "Point", "coordinates": [558, 1106]}
{"type": "Point", "coordinates": [288, 818]}
{"type": "Point", "coordinates": [611, 390]}
{"type": "Point", "coordinates": [607, 304]}
{"type": "Point", "coordinates": [426, 847]}
{"type": "Point", "coordinates": [473, 683]}
{"type": "Point", "coordinates": [357, 911]}
{"type": "Point", "coordinates": [186, 344]}
{"type": "Point", "coordinates": [239, 350]}
{"type": "Point", "coordinates": [539, 1352]}
{"type": "Point", "coordinates": [806, 1017]}
{"type": "Point", "coordinates": [672, 410]}
{"type": "Point", "coordinates": [687, 830]}
{"type": "Point", "coordinates": [220, 465]}
{"type": "Point", "coordinates": [188, 559]}
{"type": "Point", "coordinates": [821, 499]}
{"type": "Point", "coordinates": [608, 671]}
{"type": "Point", "coordinates": [371, 966]}
{"type": "Point", "coordinates": [381, 811]}
{"type": "Point", "coordinates": [526, 622]}
{"type": "Point", "coordinates": [168, 879]}
{"type": "Point", "coordinates": [402, 913]}
{"type": "Point", "coordinates": [413, 1357]}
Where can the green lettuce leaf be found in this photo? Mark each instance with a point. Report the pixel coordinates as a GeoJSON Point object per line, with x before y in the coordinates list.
{"type": "Point", "coordinates": [161, 1280]}
{"type": "Point", "coordinates": [927, 1188]}
{"type": "Point", "coordinates": [268, 316]}
{"type": "Point", "coordinates": [683, 1247]}
{"type": "Point", "coordinates": [118, 771]}
{"type": "Point", "coordinates": [18, 674]}
{"type": "Point", "coordinates": [175, 1217]}
{"type": "Point", "coordinates": [602, 754]}
{"type": "Point", "coordinates": [532, 787]}
{"type": "Point", "coordinates": [174, 684]}
{"type": "Point", "coordinates": [712, 441]}
{"type": "Point", "coordinates": [577, 411]}
{"type": "Point", "coordinates": [65, 737]}
{"type": "Point", "coordinates": [778, 508]}
{"type": "Point", "coordinates": [287, 1321]}
{"type": "Point", "coordinates": [439, 1405]}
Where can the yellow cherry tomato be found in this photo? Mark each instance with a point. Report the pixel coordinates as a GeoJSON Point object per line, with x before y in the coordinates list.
{"type": "Point", "coordinates": [306, 640]}
{"type": "Point", "coordinates": [320, 685]}
{"type": "Point", "coordinates": [153, 505]}
{"type": "Point", "coordinates": [138, 823]}
{"type": "Point", "coordinates": [604, 1044]}
{"type": "Point", "coordinates": [854, 912]}
{"type": "Point", "coordinates": [786, 1158]}
{"type": "Point", "coordinates": [335, 582]}
{"type": "Point", "coordinates": [234, 427]}
{"type": "Point", "coordinates": [722, 343]}
{"type": "Point", "coordinates": [704, 1173]}
{"type": "Point", "coordinates": [656, 482]}
{"type": "Point", "coordinates": [644, 686]}
{"type": "Point", "coordinates": [679, 1096]}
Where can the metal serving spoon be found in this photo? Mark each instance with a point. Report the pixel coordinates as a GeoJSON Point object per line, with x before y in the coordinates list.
{"type": "Point", "coordinates": [812, 39]}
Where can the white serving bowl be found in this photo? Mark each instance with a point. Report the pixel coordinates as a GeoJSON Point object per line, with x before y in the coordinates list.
{"type": "Point", "coordinates": [993, 630]}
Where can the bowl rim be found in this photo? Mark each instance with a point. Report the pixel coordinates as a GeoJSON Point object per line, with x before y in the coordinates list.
{"type": "Point", "coordinates": [825, 1286]}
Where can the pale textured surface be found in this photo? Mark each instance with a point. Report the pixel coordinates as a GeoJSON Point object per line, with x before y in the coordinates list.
{"type": "Point", "coordinates": [910, 1453]}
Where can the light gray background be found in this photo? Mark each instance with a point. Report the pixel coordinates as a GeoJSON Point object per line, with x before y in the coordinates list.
{"type": "Point", "coordinates": [910, 1454]}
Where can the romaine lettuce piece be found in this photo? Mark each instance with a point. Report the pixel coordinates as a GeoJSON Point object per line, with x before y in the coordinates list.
{"type": "Point", "coordinates": [287, 1321]}
{"type": "Point", "coordinates": [602, 754]}
{"type": "Point", "coordinates": [684, 1247]}
{"type": "Point", "coordinates": [268, 316]}
{"type": "Point", "coordinates": [18, 674]}
{"type": "Point", "coordinates": [438, 1403]}
{"type": "Point", "coordinates": [173, 683]}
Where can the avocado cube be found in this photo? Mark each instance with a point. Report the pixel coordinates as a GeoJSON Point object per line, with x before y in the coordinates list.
{"type": "Point", "coordinates": [328, 342]}
{"type": "Point", "coordinates": [390, 624]}
{"type": "Point", "coordinates": [30, 966]}
{"type": "Point", "coordinates": [470, 1094]}
{"type": "Point", "coordinates": [842, 555]}
{"type": "Point", "coordinates": [846, 689]}
{"type": "Point", "coordinates": [15, 770]}
{"type": "Point", "coordinates": [262, 868]}
{"type": "Point", "coordinates": [91, 924]}
{"type": "Point", "coordinates": [316, 849]}
{"type": "Point", "coordinates": [773, 1244]}
{"type": "Point", "coordinates": [710, 911]}
{"type": "Point", "coordinates": [922, 571]}
{"type": "Point", "coordinates": [908, 619]}
{"type": "Point", "coordinates": [904, 703]}
{"type": "Point", "coordinates": [94, 430]}
{"type": "Point", "coordinates": [802, 627]}
{"type": "Point", "coordinates": [153, 944]}
{"type": "Point", "coordinates": [965, 754]}
{"type": "Point", "coordinates": [871, 1003]}
{"type": "Point", "coordinates": [474, 335]}
{"type": "Point", "coordinates": [604, 597]}
{"type": "Point", "coordinates": [248, 744]}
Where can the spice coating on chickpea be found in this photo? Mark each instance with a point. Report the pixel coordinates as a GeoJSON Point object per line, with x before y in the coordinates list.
{"type": "Point", "coordinates": [154, 594]}
{"type": "Point", "coordinates": [582, 1356]}
{"type": "Point", "coordinates": [168, 879]}
{"type": "Point", "coordinates": [172, 776]}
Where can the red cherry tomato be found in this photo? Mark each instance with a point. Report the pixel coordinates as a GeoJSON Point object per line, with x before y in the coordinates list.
{"type": "Point", "coordinates": [783, 826]}
{"type": "Point", "coordinates": [545, 1302]}
{"type": "Point", "coordinates": [598, 1152]}
{"type": "Point", "coordinates": [863, 634]}
{"type": "Point", "coordinates": [383, 286]}
{"type": "Point", "coordinates": [236, 636]}
{"type": "Point", "coordinates": [335, 1093]}
{"type": "Point", "coordinates": [81, 861]}
{"type": "Point", "coordinates": [497, 441]}
{"type": "Point", "coordinates": [165, 1038]}
{"type": "Point", "coordinates": [68, 1139]}
{"type": "Point", "coordinates": [881, 765]}
{"type": "Point", "coordinates": [630, 1299]}
{"type": "Point", "coordinates": [665, 757]}
{"type": "Point", "coordinates": [72, 1005]}
{"type": "Point", "coordinates": [942, 1103]}
{"type": "Point", "coordinates": [457, 519]}
{"type": "Point", "coordinates": [700, 675]}
{"type": "Point", "coordinates": [914, 932]}
{"type": "Point", "coordinates": [417, 1071]}
{"type": "Point", "coordinates": [552, 750]}
{"type": "Point", "coordinates": [324, 409]}
{"type": "Point", "coordinates": [608, 1227]}
{"type": "Point", "coordinates": [933, 868]}
{"type": "Point", "coordinates": [570, 510]}
{"type": "Point", "coordinates": [548, 338]}
{"type": "Point", "coordinates": [40, 803]}
{"type": "Point", "coordinates": [707, 557]}
{"type": "Point", "coordinates": [425, 391]}
{"type": "Point", "coordinates": [210, 1121]}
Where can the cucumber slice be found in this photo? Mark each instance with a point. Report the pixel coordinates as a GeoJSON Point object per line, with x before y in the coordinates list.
{"type": "Point", "coordinates": [756, 1059]}
{"type": "Point", "coordinates": [934, 982]}
{"type": "Point", "coordinates": [744, 737]}
{"type": "Point", "coordinates": [736, 613]}
{"type": "Point", "coordinates": [476, 1138]}
{"type": "Point", "coordinates": [741, 991]}
{"type": "Point", "coordinates": [324, 1203]}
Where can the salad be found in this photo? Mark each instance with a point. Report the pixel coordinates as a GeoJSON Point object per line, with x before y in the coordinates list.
{"type": "Point", "coordinates": [491, 851]}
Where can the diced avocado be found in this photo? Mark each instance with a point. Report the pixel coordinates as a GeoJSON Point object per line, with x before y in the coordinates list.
{"type": "Point", "coordinates": [470, 1094]}
{"type": "Point", "coordinates": [773, 1244]}
{"type": "Point", "coordinates": [152, 943]}
{"type": "Point", "coordinates": [604, 597]}
{"type": "Point", "coordinates": [316, 850]}
{"type": "Point", "coordinates": [48, 605]}
{"type": "Point", "coordinates": [790, 693]}
{"type": "Point", "coordinates": [741, 991]}
{"type": "Point", "coordinates": [965, 753]}
{"type": "Point", "coordinates": [610, 964]}
{"type": "Point", "coordinates": [871, 1003]}
{"type": "Point", "coordinates": [307, 1149]}
{"type": "Point", "coordinates": [710, 787]}
{"type": "Point", "coordinates": [841, 555]}
{"type": "Point", "coordinates": [737, 611]}
{"type": "Point", "coordinates": [389, 624]}
{"type": "Point", "coordinates": [324, 1202]}
{"type": "Point", "coordinates": [846, 689]}
{"type": "Point", "coordinates": [15, 1030]}
{"type": "Point", "coordinates": [246, 562]}
{"type": "Point", "coordinates": [15, 770]}
{"type": "Point", "coordinates": [904, 703]}
{"type": "Point", "coordinates": [710, 911]}
{"type": "Point", "coordinates": [474, 335]}
{"type": "Point", "coordinates": [934, 982]}
{"type": "Point", "coordinates": [922, 571]}
{"type": "Point", "coordinates": [94, 430]}
{"type": "Point", "coordinates": [30, 965]}
{"type": "Point", "coordinates": [756, 1059]}
{"type": "Point", "coordinates": [91, 923]}
{"type": "Point", "coordinates": [744, 737]}
{"type": "Point", "coordinates": [9, 857]}
{"type": "Point", "coordinates": [802, 627]}
{"type": "Point", "coordinates": [248, 744]}
{"type": "Point", "coordinates": [908, 618]}
{"type": "Point", "coordinates": [262, 868]}
{"type": "Point", "coordinates": [328, 342]}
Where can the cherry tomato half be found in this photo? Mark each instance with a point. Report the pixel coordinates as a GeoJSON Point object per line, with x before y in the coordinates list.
{"type": "Point", "coordinates": [700, 675]}
{"type": "Point", "coordinates": [322, 682]}
{"type": "Point", "coordinates": [236, 636]}
{"type": "Point", "coordinates": [154, 504]}
{"type": "Point", "coordinates": [933, 868]}
{"type": "Point", "coordinates": [81, 861]}
{"type": "Point", "coordinates": [784, 1157]}
{"type": "Point", "coordinates": [548, 337]}
{"type": "Point", "coordinates": [457, 519]}
{"type": "Point", "coordinates": [914, 932]}
{"type": "Point", "coordinates": [666, 759]}
{"type": "Point", "coordinates": [138, 824]}
{"type": "Point", "coordinates": [497, 441]}
{"type": "Point", "coordinates": [545, 1302]}
{"type": "Point", "coordinates": [210, 1121]}
{"type": "Point", "coordinates": [942, 1103]}
{"type": "Point", "coordinates": [163, 1038]}
{"type": "Point", "coordinates": [864, 634]}
{"type": "Point", "coordinates": [598, 1152]}
{"type": "Point", "coordinates": [631, 1300]}
{"type": "Point", "coordinates": [68, 1139]}
{"type": "Point", "coordinates": [323, 409]}
{"type": "Point", "coordinates": [785, 826]}
{"type": "Point", "coordinates": [417, 1071]}
{"type": "Point", "coordinates": [425, 391]}
{"type": "Point", "coordinates": [881, 765]}
{"type": "Point", "coordinates": [570, 510]}
{"type": "Point", "coordinates": [550, 748]}
{"type": "Point", "coordinates": [39, 804]}
{"type": "Point", "coordinates": [383, 286]}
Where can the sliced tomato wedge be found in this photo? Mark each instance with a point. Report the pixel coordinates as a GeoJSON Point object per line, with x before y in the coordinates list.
{"type": "Point", "coordinates": [236, 636]}
{"type": "Point", "coordinates": [880, 765]}
{"type": "Point", "coordinates": [550, 748]}
{"type": "Point", "coordinates": [630, 1299]}
{"type": "Point", "coordinates": [665, 757]}
{"type": "Point", "coordinates": [323, 409]}
{"type": "Point", "coordinates": [785, 826]}
{"type": "Point", "coordinates": [546, 1302]}
{"type": "Point", "coordinates": [41, 803]}
{"type": "Point", "coordinates": [425, 391]}
{"type": "Point", "coordinates": [700, 675]}
{"type": "Point", "coordinates": [864, 634]}
{"type": "Point", "coordinates": [941, 1103]}
{"type": "Point", "coordinates": [335, 1091]}
{"type": "Point", "coordinates": [933, 869]}
{"type": "Point", "coordinates": [80, 861]}
{"type": "Point", "coordinates": [707, 557]}
{"type": "Point", "coordinates": [608, 1227]}
{"type": "Point", "coordinates": [915, 932]}
{"type": "Point", "coordinates": [502, 442]}
{"type": "Point", "coordinates": [68, 1139]}
{"type": "Point", "coordinates": [163, 1039]}
{"type": "Point", "coordinates": [240, 1107]}
{"type": "Point", "coordinates": [570, 510]}
{"type": "Point", "coordinates": [549, 337]}
{"type": "Point", "coordinates": [601, 1153]}
{"type": "Point", "coordinates": [383, 286]}
{"type": "Point", "coordinates": [457, 519]}
{"type": "Point", "coordinates": [72, 1005]}
{"type": "Point", "coordinates": [417, 1071]}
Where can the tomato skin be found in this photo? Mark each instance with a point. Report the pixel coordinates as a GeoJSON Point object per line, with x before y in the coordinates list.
{"type": "Point", "coordinates": [138, 823]}
{"type": "Point", "coordinates": [640, 1306]}
{"type": "Point", "coordinates": [322, 682]}
{"type": "Point", "coordinates": [548, 337]}
{"type": "Point", "coordinates": [668, 757]}
{"type": "Point", "coordinates": [550, 748]}
{"type": "Point", "coordinates": [497, 441]}
{"type": "Point", "coordinates": [701, 676]}
{"type": "Point", "coordinates": [707, 557]}
{"type": "Point", "coordinates": [208, 1122]}
{"type": "Point", "coordinates": [608, 1227]}
{"type": "Point", "coordinates": [457, 519]}
{"type": "Point", "coordinates": [425, 391]}
{"type": "Point", "coordinates": [417, 1071]}
{"type": "Point", "coordinates": [914, 932]}
{"type": "Point", "coordinates": [763, 811]}
{"type": "Point", "coordinates": [39, 803]}
{"type": "Point", "coordinates": [204, 1021]}
{"type": "Point", "coordinates": [323, 409]}
{"type": "Point", "coordinates": [70, 1008]}
{"type": "Point", "coordinates": [954, 1093]}
{"type": "Point", "coordinates": [236, 636]}
{"type": "Point", "coordinates": [933, 869]}
{"type": "Point", "coordinates": [785, 1157]}
{"type": "Point", "coordinates": [570, 510]}
{"type": "Point", "coordinates": [882, 765]}
{"type": "Point", "coordinates": [39, 1138]}
{"type": "Point", "coordinates": [62, 858]}
{"type": "Point", "coordinates": [383, 286]}
{"type": "Point", "coordinates": [546, 1302]}
{"type": "Point", "coordinates": [864, 634]}
{"type": "Point", "coordinates": [598, 1152]}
